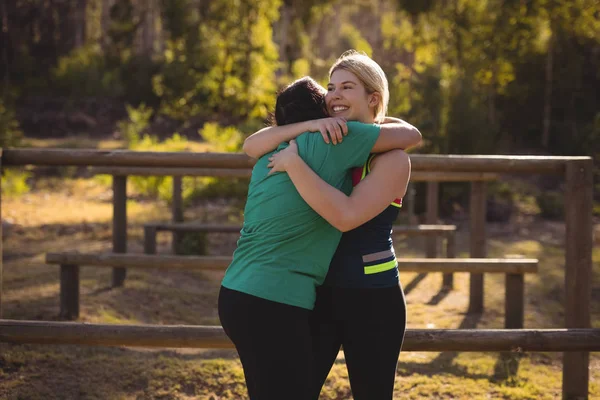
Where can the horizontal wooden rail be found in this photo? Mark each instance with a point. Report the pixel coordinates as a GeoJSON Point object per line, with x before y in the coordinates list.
{"type": "Point", "coordinates": [200, 227]}
{"type": "Point", "coordinates": [149, 171]}
{"type": "Point", "coordinates": [416, 176]}
{"type": "Point", "coordinates": [425, 265]}
{"type": "Point", "coordinates": [172, 336]}
{"type": "Point", "coordinates": [420, 162]}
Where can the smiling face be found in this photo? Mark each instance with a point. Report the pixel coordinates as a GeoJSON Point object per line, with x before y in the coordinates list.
{"type": "Point", "coordinates": [347, 97]}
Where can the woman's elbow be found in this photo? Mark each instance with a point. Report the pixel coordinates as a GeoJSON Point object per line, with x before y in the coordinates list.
{"type": "Point", "coordinates": [347, 222]}
{"type": "Point", "coordinates": [417, 137]}
{"type": "Point", "coordinates": [250, 149]}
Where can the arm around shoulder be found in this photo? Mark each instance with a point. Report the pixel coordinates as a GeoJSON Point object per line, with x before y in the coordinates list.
{"type": "Point", "coordinates": [396, 134]}
{"type": "Point", "coordinates": [267, 139]}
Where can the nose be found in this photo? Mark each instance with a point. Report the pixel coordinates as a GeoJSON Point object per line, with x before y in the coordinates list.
{"type": "Point", "coordinates": [336, 93]}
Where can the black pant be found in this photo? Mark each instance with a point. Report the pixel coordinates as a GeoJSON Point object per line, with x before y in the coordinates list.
{"type": "Point", "coordinates": [369, 324]}
{"type": "Point", "coordinates": [274, 344]}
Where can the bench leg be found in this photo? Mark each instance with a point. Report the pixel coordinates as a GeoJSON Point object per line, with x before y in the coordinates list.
{"type": "Point", "coordinates": [69, 291]}
{"type": "Point", "coordinates": [448, 279]}
{"type": "Point", "coordinates": [177, 209]}
{"type": "Point", "coordinates": [119, 226]}
{"type": "Point", "coordinates": [149, 240]}
{"type": "Point", "coordinates": [514, 301]}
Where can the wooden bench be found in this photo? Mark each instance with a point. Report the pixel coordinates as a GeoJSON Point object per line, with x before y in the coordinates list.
{"type": "Point", "coordinates": [444, 231]}
{"type": "Point", "coordinates": [151, 229]}
{"type": "Point", "coordinates": [514, 269]}
{"type": "Point", "coordinates": [213, 337]}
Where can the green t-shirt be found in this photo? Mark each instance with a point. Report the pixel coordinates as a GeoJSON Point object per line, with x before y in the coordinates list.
{"type": "Point", "coordinates": [285, 247]}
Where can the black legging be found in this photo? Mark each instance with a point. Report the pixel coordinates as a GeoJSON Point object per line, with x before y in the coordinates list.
{"type": "Point", "coordinates": [274, 344]}
{"type": "Point", "coordinates": [369, 324]}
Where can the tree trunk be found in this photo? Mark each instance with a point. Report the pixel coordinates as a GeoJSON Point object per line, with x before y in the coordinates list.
{"type": "Point", "coordinates": [5, 43]}
{"type": "Point", "coordinates": [105, 23]}
{"type": "Point", "coordinates": [283, 38]}
{"type": "Point", "coordinates": [548, 92]}
{"type": "Point", "coordinates": [79, 23]}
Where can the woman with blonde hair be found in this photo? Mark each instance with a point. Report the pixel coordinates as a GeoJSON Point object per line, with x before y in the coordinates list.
{"type": "Point", "coordinates": [268, 292]}
{"type": "Point", "coordinates": [360, 305]}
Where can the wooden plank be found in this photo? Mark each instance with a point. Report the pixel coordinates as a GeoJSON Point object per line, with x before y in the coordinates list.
{"type": "Point", "coordinates": [431, 217]}
{"type": "Point", "coordinates": [150, 171]}
{"type": "Point", "coordinates": [69, 291]}
{"type": "Point", "coordinates": [127, 158]}
{"type": "Point", "coordinates": [183, 336]}
{"type": "Point", "coordinates": [419, 162]}
{"type": "Point", "coordinates": [444, 176]}
{"type": "Point", "coordinates": [514, 301]}
{"type": "Point", "coordinates": [200, 227]}
{"type": "Point", "coordinates": [477, 243]}
{"type": "Point", "coordinates": [177, 212]}
{"type": "Point", "coordinates": [164, 262]}
{"type": "Point", "coordinates": [1, 236]}
{"type": "Point", "coordinates": [482, 265]}
{"type": "Point", "coordinates": [119, 226]}
{"type": "Point", "coordinates": [578, 271]}
{"type": "Point", "coordinates": [416, 176]}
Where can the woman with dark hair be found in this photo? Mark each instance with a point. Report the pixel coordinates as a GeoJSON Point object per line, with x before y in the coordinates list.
{"type": "Point", "coordinates": [285, 247]}
{"type": "Point", "coordinates": [360, 306]}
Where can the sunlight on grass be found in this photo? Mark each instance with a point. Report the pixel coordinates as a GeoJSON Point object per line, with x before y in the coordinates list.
{"type": "Point", "coordinates": [76, 215]}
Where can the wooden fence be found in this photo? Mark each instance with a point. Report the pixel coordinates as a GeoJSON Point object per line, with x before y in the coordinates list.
{"type": "Point", "coordinates": [120, 175]}
{"type": "Point", "coordinates": [578, 210]}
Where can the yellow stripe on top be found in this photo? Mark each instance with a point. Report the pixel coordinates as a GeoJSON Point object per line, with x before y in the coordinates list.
{"type": "Point", "coordinates": [374, 269]}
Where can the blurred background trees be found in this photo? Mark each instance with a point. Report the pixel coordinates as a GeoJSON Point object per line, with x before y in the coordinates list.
{"type": "Point", "coordinates": [476, 76]}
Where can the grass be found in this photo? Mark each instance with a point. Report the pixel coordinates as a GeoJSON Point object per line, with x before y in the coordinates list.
{"type": "Point", "coordinates": [75, 214]}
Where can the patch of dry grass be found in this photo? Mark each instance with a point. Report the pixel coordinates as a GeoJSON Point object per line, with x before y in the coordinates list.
{"type": "Point", "coordinates": [76, 214]}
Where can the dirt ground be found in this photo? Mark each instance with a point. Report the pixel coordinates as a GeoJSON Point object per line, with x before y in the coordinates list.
{"type": "Point", "coordinates": [76, 214]}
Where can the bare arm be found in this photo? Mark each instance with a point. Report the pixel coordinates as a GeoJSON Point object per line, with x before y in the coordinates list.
{"type": "Point", "coordinates": [267, 139]}
{"type": "Point", "coordinates": [396, 134]}
{"type": "Point", "coordinates": [388, 179]}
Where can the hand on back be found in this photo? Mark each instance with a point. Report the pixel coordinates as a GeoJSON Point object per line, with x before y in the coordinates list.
{"type": "Point", "coordinates": [335, 128]}
{"type": "Point", "coordinates": [280, 161]}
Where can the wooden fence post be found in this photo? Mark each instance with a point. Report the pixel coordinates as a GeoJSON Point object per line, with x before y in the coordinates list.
{"type": "Point", "coordinates": [578, 272]}
{"type": "Point", "coordinates": [177, 209]}
{"type": "Point", "coordinates": [1, 233]}
{"type": "Point", "coordinates": [514, 301]}
{"type": "Point", "coordinates": [69, 291]}
{"type": "Point", "coordinates": [477, 243]}
{"type": "Point", "coordinates": [432, 217]}
{"type": "Point", "coordinates": [448, 279]}
{"type": "Point", "coordinates": [410, 194]}
{"type": "Point", "coordinates": [119, 225]}
{"type": "Point", "coordinates": [149, 240]}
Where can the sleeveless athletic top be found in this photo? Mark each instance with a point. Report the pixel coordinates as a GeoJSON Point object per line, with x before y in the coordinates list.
{"type": "Point", "coordinates": [365, 257]}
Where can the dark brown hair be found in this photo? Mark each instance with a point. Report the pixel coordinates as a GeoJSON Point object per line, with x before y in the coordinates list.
{"type": "Point", "coordinates": [300, 101]}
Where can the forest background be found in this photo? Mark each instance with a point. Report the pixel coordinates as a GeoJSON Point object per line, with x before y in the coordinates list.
{"type": "Point", "coordinates": [476, 77]}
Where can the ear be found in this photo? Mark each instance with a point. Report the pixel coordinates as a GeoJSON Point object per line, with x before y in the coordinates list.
{"type": "Point", "coordinates": [374, 99]}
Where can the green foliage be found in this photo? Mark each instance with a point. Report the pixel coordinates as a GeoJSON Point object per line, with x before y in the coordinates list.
{"type": "Point", "coordinates": [132, 128]}
{"type": "Point", "coordinates": [14, 182]}
{"type": "Point", "coordinates": [224, 139]}
{"type": "Point", "coordinates": [552, 205]}
{"type": "Point", "coordinates": [192, 243]}
{"type": "Point", "coordinates": [225, 65]}
{"type": "Point", "coordinates": [83, 72]}
{"type": "Point", "coordinates": [11, 133]}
